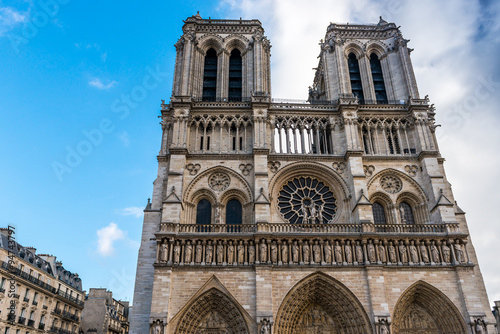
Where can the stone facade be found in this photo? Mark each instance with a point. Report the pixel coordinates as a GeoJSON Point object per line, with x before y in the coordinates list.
{"type": "Point", "coordinates": [37, 295]}
{"type": "Point", "coordinates": [333, 215]}
{"type": "Point", "coordinates": [103, 314]}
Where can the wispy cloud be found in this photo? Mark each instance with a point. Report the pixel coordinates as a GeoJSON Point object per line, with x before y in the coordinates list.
{"type": "Point", "coordinates": [97, 83]}
{"type": "Point", "coordinates": [132, 211]}
{"type": "Point", "coordinates": [10, 18]}
{"type": "Point", "coordinates": [123, 136]}
{"type": "Point", "coordinates": [106, 237]}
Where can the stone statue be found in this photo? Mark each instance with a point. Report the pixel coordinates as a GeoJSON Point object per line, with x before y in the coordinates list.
{"type": "Point", "coordinates": [265, 327]}
{"type": "Point", "coordinates": [371, 253]}
{"type": "Point", "coordinates": [295, 252]}
{"type": "Point", "coordinates": [317, 252]}
{"type": "Point", "coordinates": [413, 253]}
{"type": "Point", "coordinates": [241, 253]}
{"type": "Point", "coordinates": [359, 252]}
{"type": "Point", "coordinates": [164, 252]}
{"type": "Point", "coordinates": [480, 327]}
{"type": "Point", "coordinates": [328, 252]}
{"type": "Point", "coordinates": [284, 252]}
{"type": "Point", "coordinates": [274, 252]}
{"type": "Point", "coordinates": [263, 251]}
{"type": "Point", "coordinates": [383, 328]}
{"type": "Point", "coordinates": [188, 250]}
{"type": "Point", "coordinates": [446, 253]}
{"type": "Point", "coordinates": [392, 253]}
{"type": "Point", "coordinates": [434, 253]}
{"type": "Point", "coordinates": [402, 252]}
{"type": "Point", "coordinates": [177, 252]}
{"type": "Point", "coordinates": [338, 252]}
{"type": "Point", "coordinates": [304, 214]}
{"type": "Point", "coordinates": [157, 328]}
{"type": "Point", "coordinates": [320, 214]}
{"type": "Point", "coordinates": [402, 214]}
{"type": "Point", "coordinates": [305, 252]}
{"type": "Point", "coordinates": [220, 253]}
{"type": "Point", "coordinates": [348, 252]}
{"type": "Point", "coordinates": [209, 251]}
{"type": "Point", "coordinates": [230, 252]}
{"type": "Point", "coordinates": [314, 213]}
{"type": "Point", "coordinates": [218, 219]}
{"type": "Point", "coordinates": [459, 253]}
{"type": "Point", "coordinates": [251, 253]}
{"type": "Point", "coordinates": [424, 254]}
{"type": "Point", "coordinates": [381, 253]}
{"type": "Point", "coordinates": [199, 252]}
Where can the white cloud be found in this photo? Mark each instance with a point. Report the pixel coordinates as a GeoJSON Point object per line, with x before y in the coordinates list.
{"type": "Point", "coordinates": [106, 237]}
{"type": "Point", "coordinates": [456, 48]}
{"type": "Point", "coordinates": [123, 137]}
{"type": "Point", "coordinates": [10, 18]}
{"type": "Point", "coordinates": [132, 211]}
{"type": "Point", "coordinates": [97, 83]}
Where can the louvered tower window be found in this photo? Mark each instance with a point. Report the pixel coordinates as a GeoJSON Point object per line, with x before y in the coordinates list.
{"type": "Point", "coordinates": [210, 76]}
{"type": "Point", "coordinates": [378, 79]}
{"type": "Point", "coordinates": [233, 212]}
{"type": "Point", "coordinates": [378, 213]}
{"type": "Point", "coordinates": [235, 76]}
{"type": "Point", "coordinates": [355, 75]}
{"type": "Point", "coordinates": [406, 213]}
{"type": "Point", "coordinates": [204, 212]}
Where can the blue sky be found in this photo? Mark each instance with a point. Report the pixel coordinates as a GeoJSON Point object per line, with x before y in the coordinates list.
{"type": "Point", "coordinates": [81, 85]}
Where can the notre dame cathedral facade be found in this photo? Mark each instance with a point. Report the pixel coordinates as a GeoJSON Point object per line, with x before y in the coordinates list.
{"type": "Point", "coordinates": [329, 216]}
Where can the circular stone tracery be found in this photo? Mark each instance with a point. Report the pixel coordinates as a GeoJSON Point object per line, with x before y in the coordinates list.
{"type": "Point", "coordinates": [391, 184]}
{"type": "Point", "coordinates": [306, 200]}
{"type": "Point", "coordinates": [219, 181]}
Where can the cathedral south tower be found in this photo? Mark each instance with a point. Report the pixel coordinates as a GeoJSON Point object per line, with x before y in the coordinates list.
{"type": "Point", "coordinates": [329, 216]}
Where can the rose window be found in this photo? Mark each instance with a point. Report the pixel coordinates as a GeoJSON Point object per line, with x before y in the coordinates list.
{"type": "Point", "coordinates": [391, 184]}
{"type": "Point", "coordinates": [306, 200]}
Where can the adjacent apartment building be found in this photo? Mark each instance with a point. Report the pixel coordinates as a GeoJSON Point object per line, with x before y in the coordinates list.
{"type": "Point", "coordinates": [37, 294]}
{"type": "Point", "coordinates": [103, 314]}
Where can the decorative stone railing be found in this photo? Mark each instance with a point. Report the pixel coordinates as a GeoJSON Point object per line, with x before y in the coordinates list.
{"type": "Point", "coordinates": [326, 250]}
{"type": "Point", "coordinates": [442, 229]}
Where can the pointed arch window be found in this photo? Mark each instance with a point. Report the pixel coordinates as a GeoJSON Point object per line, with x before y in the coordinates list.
{"type": "Point", "coordinates": [378, 79]}
{"type": "Point", "coordinates": [204, 212]}
{"type": "Point", "coordinates": [355, 75]}
{"type": "Point", "coordinates": [378, 213]}
{"type": "Point", "coordinates": [406, 213]}
{"type": "Point", "coordinates": [210, 76]}
{"type": "Point", "coordinates": [235, 76]}
{"type": "Point", "coordinates": [393, 141]}
{"type": "Point", "coordinates": [234, 212]}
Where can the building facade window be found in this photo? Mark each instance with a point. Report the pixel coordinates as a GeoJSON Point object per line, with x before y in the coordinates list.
{"type": "Point", "coordinates": [378, 79]}
{"type": "Point", "coordinates": [210, 76]}
{"type": "Point", "coordinates": [406, 213]}
{"type": "Point", "coordinates": [378, 213]}
{"type": "Point", "coordinates": [204, 212]}
{"type": "Point", "coordinates": [234, 212]}
{"type": "Point", "coordinates": [355, 75]}
{"type": "Point", "coordinates": [235, 76]}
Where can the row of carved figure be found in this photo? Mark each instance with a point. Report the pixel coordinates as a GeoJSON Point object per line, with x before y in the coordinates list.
{"type": "Point", "coordinates": [315, 251]}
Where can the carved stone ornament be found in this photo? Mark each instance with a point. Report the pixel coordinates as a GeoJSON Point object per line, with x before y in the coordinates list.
{"type": "Point", "coordinates": [274, 166]}
{"type": "Point", "coordinates": [219, 181]}
{"type": "Point", "coordinates": [265, 327]}
{"type": "Point", "coordinates": [391, 184]}
{"type": "Point", "coordinates": [339, 167]}
{"type": "Point", "coordinates": [411, 170]}
{"type": "Point", "coordinates": [246, 168]}
{"type": "Point", "coordinates": [479, 326]}
{"type": "Point", "coordinates": [193, 168]}
{"type": "Point", "coordinates": [369, 169]}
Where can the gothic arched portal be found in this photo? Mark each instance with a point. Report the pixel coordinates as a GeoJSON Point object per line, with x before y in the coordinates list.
{"type": "Point", "coordinates": [424, 309]}
{"type": "Point", "coordinates": [215, 313]}
{"type": "Point", "coordinates": [321, 304]}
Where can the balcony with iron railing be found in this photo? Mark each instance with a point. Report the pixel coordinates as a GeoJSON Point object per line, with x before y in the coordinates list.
{"type": "Point", "coordinates": [11, 317]}
{"type": "Point", "coordinates": [41, 326]}
{"type": "Point", "coordinates": [21, 320]}
{"type": "Point", "coordinates": [31, 323]}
